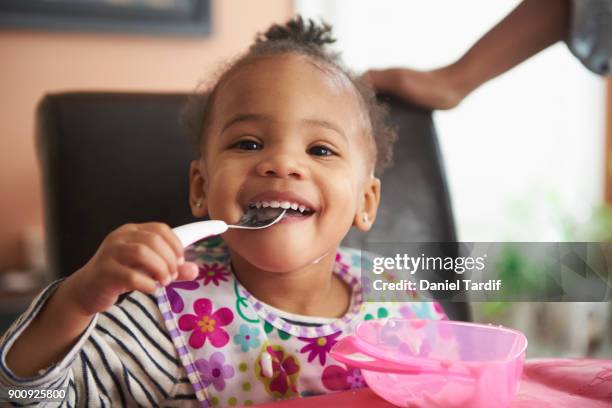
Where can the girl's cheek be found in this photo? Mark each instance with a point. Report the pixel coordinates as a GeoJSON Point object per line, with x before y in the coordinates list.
{"type": "Point", "coordinates": [220, 200]}
{"type": "Point", "coordinates": [344, 189]}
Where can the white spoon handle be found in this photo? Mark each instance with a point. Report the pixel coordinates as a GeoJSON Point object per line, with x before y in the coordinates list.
{"type": "Point", "coordinates": [196, 231]}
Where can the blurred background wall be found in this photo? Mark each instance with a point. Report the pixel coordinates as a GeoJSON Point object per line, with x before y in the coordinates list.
{"type": "Point", "coordinates": [37, 62]}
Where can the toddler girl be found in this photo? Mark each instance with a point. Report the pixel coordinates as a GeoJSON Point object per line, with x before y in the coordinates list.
{"type": "Point", "coordinates": [251, 317]}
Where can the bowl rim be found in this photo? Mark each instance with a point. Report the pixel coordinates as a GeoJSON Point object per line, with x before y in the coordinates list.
{"type": "Point", "coordinates": [489, 326]}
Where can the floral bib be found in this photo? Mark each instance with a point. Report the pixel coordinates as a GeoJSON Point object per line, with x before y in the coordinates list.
{"type": "Point", "coordinates": [237, 350]}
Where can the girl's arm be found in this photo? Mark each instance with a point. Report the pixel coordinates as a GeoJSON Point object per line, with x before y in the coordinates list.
{"type": "Point", "coordinates": [125, 357]}
{"type": "Point", "coordinates": [60, 323]}
{"type": "Point", "coordinates": [531, 27]}
{"type": "Point", "coordinates": [132, 258]}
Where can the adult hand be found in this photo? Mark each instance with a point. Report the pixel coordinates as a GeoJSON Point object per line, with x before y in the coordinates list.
{"type": "Point", "coordinates": [436, 89]}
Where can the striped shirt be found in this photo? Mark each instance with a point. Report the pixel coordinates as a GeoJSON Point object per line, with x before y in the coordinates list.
{"type": "Point", "coordinates": [124, 358]}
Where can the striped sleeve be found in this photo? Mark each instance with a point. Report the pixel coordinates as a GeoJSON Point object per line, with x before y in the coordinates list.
{"type": "Point", "coordinates": [125, 357]}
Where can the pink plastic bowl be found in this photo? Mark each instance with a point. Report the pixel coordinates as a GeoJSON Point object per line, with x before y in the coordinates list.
{"type": "Point", "coordinates": [437, 363]}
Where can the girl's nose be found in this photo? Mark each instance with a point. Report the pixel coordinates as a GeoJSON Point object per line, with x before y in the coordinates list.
{"type": "Point", "coordinates": [281, 165]}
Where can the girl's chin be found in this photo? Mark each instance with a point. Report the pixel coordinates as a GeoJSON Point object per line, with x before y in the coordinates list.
{"type": "Point", "coordinates": [279, 261]}
{"type": "Point", "coordinates": [278, 258]}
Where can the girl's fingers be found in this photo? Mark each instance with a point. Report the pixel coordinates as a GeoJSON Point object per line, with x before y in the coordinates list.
{"type": "Point", "coordinates": [141, 282]}
{"type": "Point", "coordinates": [159, 245]}
{"type": "Point", "coordinates": [169, 236]}
{"type": "Point", "coordinates": [127, 279]}
{"type": "Point", "coordinates": [188, 271]}
{"type": "Point", "coordinates": [140, 256]}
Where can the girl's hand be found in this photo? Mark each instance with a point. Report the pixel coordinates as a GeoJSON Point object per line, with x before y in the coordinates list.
{"type": "Point", "coordinates": [133, 257]}
{"type": "Point", "coordinates": [437, 89]}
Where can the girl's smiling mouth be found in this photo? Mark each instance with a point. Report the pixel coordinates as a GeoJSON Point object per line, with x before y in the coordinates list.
{"type": "Point", "coordinates": [298, 208]}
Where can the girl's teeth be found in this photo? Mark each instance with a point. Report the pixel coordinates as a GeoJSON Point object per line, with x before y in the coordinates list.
{"type": "Point", "coordinates": [279, 204]}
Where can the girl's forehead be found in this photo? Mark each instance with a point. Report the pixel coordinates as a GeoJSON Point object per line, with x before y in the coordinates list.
{"type": "Point", "coordinates": [289, 71]}
{"type": "Point", "coordinates": [289, 82]}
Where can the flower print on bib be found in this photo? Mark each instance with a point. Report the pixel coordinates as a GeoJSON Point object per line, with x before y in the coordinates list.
{"type": "Point", "coordinates": [237, 350]}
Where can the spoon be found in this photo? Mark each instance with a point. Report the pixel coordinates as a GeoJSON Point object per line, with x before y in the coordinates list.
{"type": "Point", "coordinates": [253, 219]}
{"type": "Point", "coordinates": [348, 351]}
{"type": "Point", "coordinates": [258, 219]}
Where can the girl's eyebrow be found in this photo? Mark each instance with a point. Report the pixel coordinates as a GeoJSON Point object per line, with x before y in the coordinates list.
{"type": "Point", "coordinates": [244, 117]}
{"type": "Point", "coordinates": [326, 124]}
{"type": "Point", "coordinates": [247, 117]}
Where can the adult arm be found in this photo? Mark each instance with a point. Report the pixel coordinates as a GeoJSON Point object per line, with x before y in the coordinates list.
{"type": "Point", "coordinates": [531, 27]}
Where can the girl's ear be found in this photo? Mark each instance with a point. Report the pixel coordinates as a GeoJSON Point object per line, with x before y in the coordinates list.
{"type": "Point", "coordinates": [367, 208]}
{"type": "Point", "coordinates": [197, 189]}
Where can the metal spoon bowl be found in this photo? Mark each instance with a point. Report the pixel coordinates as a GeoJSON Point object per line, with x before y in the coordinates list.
{"type": "Point", "coordinates": [258, 219]}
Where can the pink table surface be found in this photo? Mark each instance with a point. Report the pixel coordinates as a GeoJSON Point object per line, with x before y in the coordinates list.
{"type": "Point", "coordinates": [546, 383]}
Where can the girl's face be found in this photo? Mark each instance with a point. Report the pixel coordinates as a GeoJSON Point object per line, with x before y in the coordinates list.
{"type": "Point", "coordinates": [285, 129]}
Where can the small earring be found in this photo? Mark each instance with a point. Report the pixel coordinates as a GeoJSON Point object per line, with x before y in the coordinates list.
{"type": "Point", "coordinates": [199, 203]}
{"type": "Point", "coordinates": [365, 218]}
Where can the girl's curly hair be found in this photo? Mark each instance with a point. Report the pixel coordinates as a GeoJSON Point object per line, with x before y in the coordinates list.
{"type": "Point", "coordinates": [304, 37]}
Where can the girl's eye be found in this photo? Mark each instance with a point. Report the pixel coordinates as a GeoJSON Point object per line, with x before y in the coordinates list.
{"type": "Point", "coordinates": [321, 151]}
{"type": "Point", "coordinates": [247, 145]}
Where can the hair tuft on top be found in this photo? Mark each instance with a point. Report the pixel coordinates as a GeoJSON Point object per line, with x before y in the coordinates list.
{"type": "Point", "coordinates": [299, 31]}
{"type": "Point", "coordinates": [308, 38]}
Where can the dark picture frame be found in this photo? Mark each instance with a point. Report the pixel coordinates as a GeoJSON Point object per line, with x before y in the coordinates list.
{"type": "Point", "coordinates": [163, 17]}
